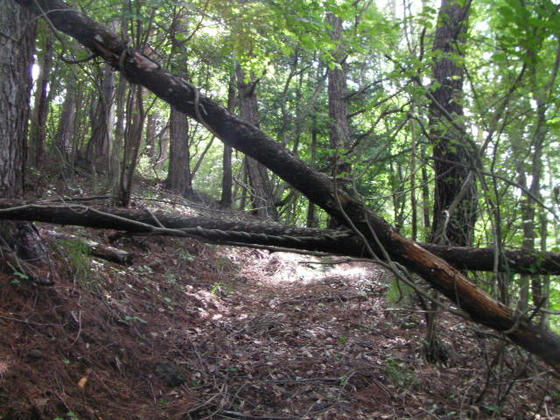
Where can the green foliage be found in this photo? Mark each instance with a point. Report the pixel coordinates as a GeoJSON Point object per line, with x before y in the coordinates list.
{"type": "Point", "coordinates": [70, 415]}
{"type": "Point", "coordinates": [399, 373]}
{"type": "Point", "coordinates": [129, 319]}
{"type": "Point", "coordinates": [219, 289]}
{"type": "Point", "coordinates": [16, 281]}
{"type": "Point", "coordinates": [399, 293]}
{"type": "Point", "coordinates": [509, 94]}
{"type": "Point", "coordinates": [78, 254]}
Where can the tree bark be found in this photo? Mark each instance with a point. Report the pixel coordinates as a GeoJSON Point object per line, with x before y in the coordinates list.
{"type": "Point", "coordinates": [312, 221]}
{"type": "Point", "coordinates": [455, 201]}
{"type": "Point", "coordinates": [41, 106]}
{"type": "Point", "coordinates": [339, 242]}
{"type": "Point", "coordinates": [262, 195]}
{"type": "Point", "coordinates": [338, 99]}
{"type": "Point", "coordinates": [179, 177]}
{"type": "Point", "coordinates": [453, 222]}
{"type": "Point", "coordinates": [16, 49]}
{"type": "Point", "coordinates": [65, 131]}
{"type": "Point", "coordinates": [318, 187]}
{"type": "Point", "coordinates": [339, 126]}
{"type": "Point", "coordinates": [226, 200]}
{"type": "Point", "coordinates": [134, 128]}
{"type": "Point", "coordinates": [96, 249]}
{"type": "Point", "coordinates": [20, 245]}
{"type": "Point", "coordinates": [179, 174]}
{"type": "Point", "coordinates": [100, 145]}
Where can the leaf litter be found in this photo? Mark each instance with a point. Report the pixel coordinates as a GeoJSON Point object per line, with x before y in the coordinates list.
{"type": "Point", "coordinates": [201, 331]}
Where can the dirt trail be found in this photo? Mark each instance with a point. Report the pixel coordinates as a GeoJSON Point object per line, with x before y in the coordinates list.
{"type": "Point", "coordinates": [199, 331]}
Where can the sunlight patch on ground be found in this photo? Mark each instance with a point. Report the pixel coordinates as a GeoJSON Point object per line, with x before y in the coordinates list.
{"type": "Point", "coordinates": [4, 366]}
{"type": "Point", "coordinates": [287, 268]}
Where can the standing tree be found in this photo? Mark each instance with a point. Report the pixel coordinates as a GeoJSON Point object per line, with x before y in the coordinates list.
{"type": "Point", "coordinates": [226, 200]}
{"type": "Point", "coordinates": [455, 200]}
{"type": "Point", "coordinates": [41, 105]}
{"type": "Point", "coordinates": [262, 193]}
{"type": "Point", "coordinates": [100, 145]}
{"type": "Point", "coordinates": [179, 177]}
{"type": "Point", "coordinates": [455, 191]}
{"type": "Point", "coordinates": [16, 49]}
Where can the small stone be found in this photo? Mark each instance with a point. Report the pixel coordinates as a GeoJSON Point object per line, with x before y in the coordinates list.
{"type": "Point", "coordinates": [36, 354]}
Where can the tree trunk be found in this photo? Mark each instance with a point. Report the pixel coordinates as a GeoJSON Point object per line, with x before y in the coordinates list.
{"type": "Point", "coordinates": [163, 152]}
{"type": "Point", "coordinates": [453, 223]}
{"type": "Point", "coordinates": [20, 245]}
{"type": "Point", "coordinates": [115, 167]}
{"type": "Point", "coordinates": [247, 138]}
{"type": "Point", "coordinates": [261, 186]}
{"type": "Point", "coordinates": [312, 221]}
{"type": "Point", "coordinates": [540, 95]}
{"type": "Point", "coordinates": [544, 298]}
{"type": "Point", "coordinates": [179, 174]}
{"type": "Point", "coordinates": [226, 200]}
{"type": "Point", "coordinates": [425, 195]}
{"type": "Point", "coordinates": [413, 165]}
{"type": "Point", "coordinates": [179, 177]}
{"type": "Point", "coordinates": [455, 200]}
{"type": "Point", "coordinates": [150, 135]}
{"type": "Point", "coordinates": [339, 126]}
{"type": "Point", "coordinates": [338, 100]}
{"type": "Point", "coordinates": [41, 106]}
{"type": "Point", "coordinates": [339, 242]}
{"type": "Point", "coordinates": [16, 49]}
{"type": "Point", "coordinates": [100, 145]}
{"type": "Point", "coordinates": [65, 131]}
{"type": "Point", "coordinates": [135, 116]}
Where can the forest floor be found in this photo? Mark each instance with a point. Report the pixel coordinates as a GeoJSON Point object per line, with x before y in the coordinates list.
{"type": "Point", "coordinates": [192, 330]}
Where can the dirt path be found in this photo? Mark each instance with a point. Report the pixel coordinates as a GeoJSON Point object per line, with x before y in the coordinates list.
{"type": "Point", "coordinates": [198, 331]}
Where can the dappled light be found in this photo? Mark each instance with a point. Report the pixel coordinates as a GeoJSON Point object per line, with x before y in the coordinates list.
{"type": "Point", "coordinates": [285, 209]}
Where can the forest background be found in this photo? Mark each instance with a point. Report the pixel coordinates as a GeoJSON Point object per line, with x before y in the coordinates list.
{"type": "Point", "coordinates": [440, 118]}
{"type": "Point", "coordinates": [445, 127]}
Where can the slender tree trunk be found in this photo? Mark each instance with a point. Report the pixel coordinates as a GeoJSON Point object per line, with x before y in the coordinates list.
{"type": "Point", "coordinates": [338, 99]}
{"type": "Point", "coordinates": [339, 126]}
{"type": "Point", "coordinates": [226, 200]}
{"type": "Point", "coordinates": [114, 172]}
{"type": "Point", "coordinates": [312, 221]}
{"type": "Point", "coordinates": [163, 155]}
{"type": "Point", "coordinates": [413, 166]}
{"type": "Point", "coordinates": [399, 199]}
{"type": "Point", "coordinates": [132, 142]}
{"type": "Point", "coordinates": [100, 144]}
{"type": "Point", "coordinates": [425, 196]}
{"type": "Point", "coordinates": [179, 177]}
{"type": "Point", "coordinates": [179, 174]}
{"type": "Point", "coordinates": [65, 131]}
{"type": "Point", "coordinates": [227, 176]}
{"type": "Point", "coordinates": [150, 135]}
{"type": "Point", "coordinates": [544, 299]}
{"type": "Point", "coordinates": [261, 186]}
{"type": "Point", "coordinates": [41, 106]}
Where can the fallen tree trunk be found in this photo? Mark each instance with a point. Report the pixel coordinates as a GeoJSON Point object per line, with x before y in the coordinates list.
{"type": "Point", "coordinates": [374, 230]}
{"type": "Point", "coordinates": [96, 249]}
{"type": "Point", "coordinates": [339, 242]}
